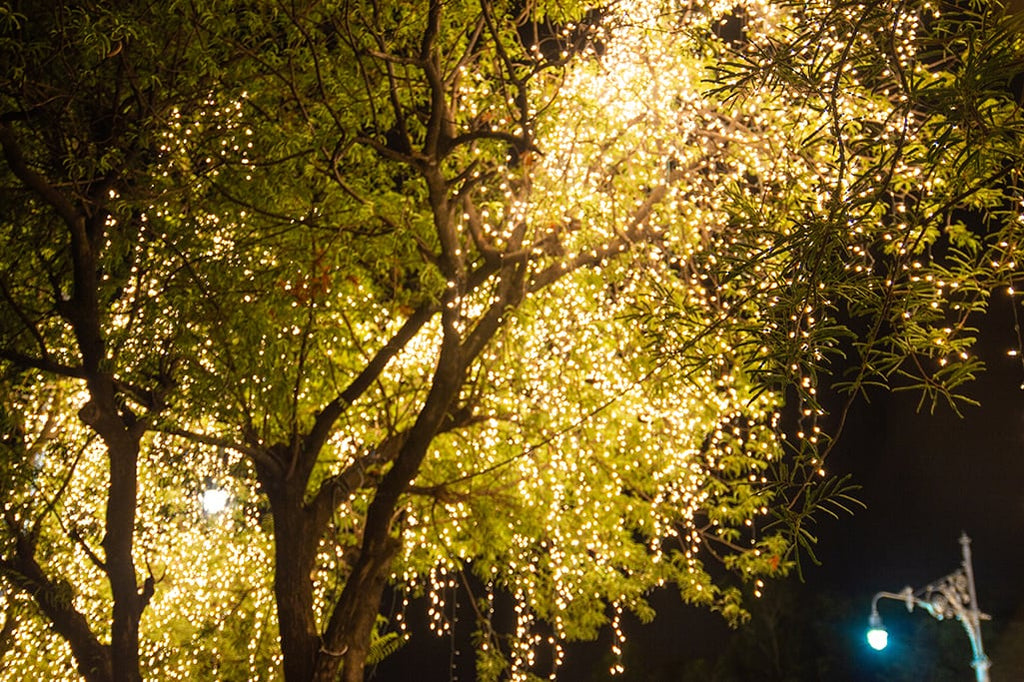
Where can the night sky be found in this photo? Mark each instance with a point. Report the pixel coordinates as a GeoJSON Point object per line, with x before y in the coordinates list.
{"type": "Point", "coordinates": [925, 479]}
{"type": "Point", "coordinates": [928, 477]}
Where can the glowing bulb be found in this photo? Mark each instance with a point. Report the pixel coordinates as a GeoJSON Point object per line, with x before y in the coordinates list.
{"type": "Point", "coordinates": [214, 500]}
{"type": "Point", "coordinates": [878, 637]}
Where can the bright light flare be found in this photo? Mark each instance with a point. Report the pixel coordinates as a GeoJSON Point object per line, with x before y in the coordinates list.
{"type": "Point", "coordinates": [214, 500]}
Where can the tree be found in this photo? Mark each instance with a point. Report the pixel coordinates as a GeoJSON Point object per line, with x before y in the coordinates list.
{"type": "Point", "coordinates": [80, 127]}
{"type": "Point", "coordinates": [490, 296]}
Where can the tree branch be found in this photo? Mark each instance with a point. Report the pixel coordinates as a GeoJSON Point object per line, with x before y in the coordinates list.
{"type": "Point", "coordinates": [355, 476]}
{"type": "Point", "coordinates": [216, 441]}
{"type": "Point", "coordinates": [29, 325]}
{"type": "Point", "coordinates": [621, 243]}
{"type": "Point", "coordinates": [439, 122]}
{"type": "Point", "coordinates": [44, 364]}
{"type": "Point", "coordinates": [326, 418]}
{"type": "Point", "coordinates": [55, 600]}
{"type": "Point", "coordinates": [36, 182]}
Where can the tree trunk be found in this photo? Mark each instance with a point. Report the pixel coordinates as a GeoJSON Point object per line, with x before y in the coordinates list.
{"type": "Point", "coordinates": [357, 610]}
{"type": "Point", "coordinates": [122, 501]}
{"type": "Point", "coordinates": [350, 627]}
{"type": "Point", "coordinates": [295, 542]}
{"type": "Point", "coordinates": [117, 544]}
{"type": "Point", "coordinates": [85, 217]}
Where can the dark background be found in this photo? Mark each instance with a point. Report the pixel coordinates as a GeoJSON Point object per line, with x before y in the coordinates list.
{"type": "Point", "coordinates": [926, 478]}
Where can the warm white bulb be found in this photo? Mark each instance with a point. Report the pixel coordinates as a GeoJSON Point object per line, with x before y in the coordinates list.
{"type": "Point", "coordinates": [214, 500]}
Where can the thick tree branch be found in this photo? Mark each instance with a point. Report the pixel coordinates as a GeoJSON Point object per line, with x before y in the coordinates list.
{"type": "Point", "coordinates": [36, 182]}
{"type": "Point", "coordinates": [44, 364]}
{"type": "Point", "coordinates": [385, 151]}
{"type": "Point", "coordinates": [439, 124]}
{"type": "Point", "coordinates": [353, 615]}
{"type": "Point", "coordinates": [521, 143]}
{"type": "Point", "coordinates": [26, 322]}
{"type": "Point", "coordinates": [325, 419]}
{"type": "Point", "coordinates": [358, 474]}
{"type": "Point", "coordinates": [511, 291]}
{"type": "Point", "coordinates": [55, 600]}
{"type": "Point", "coordinates": [144, 397]}
{"type": "Point", "coordinates": [475, 225]}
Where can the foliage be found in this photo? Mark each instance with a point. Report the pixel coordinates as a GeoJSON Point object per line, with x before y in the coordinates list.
{"type": "Point", "coordinates": [515, 299]}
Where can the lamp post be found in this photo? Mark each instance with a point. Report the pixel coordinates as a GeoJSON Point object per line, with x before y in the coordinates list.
{"type": "Point", "coordinates": [953, 595]}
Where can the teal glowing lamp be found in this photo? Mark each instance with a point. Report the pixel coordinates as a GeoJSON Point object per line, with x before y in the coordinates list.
{"type": "Point", "coordinates": [878, 637]}
{"type": "Point", "coordinates": [952, 597]}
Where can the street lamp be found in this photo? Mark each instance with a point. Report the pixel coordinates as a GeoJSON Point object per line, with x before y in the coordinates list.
{"type": "Point", "coordinates": [878, 636]}
{"type": "Point", "coordinates": [953, 595]}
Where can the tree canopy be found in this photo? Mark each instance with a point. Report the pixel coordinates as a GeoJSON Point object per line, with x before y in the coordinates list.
{"type": "Point", "coordinates": [520, 300]}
